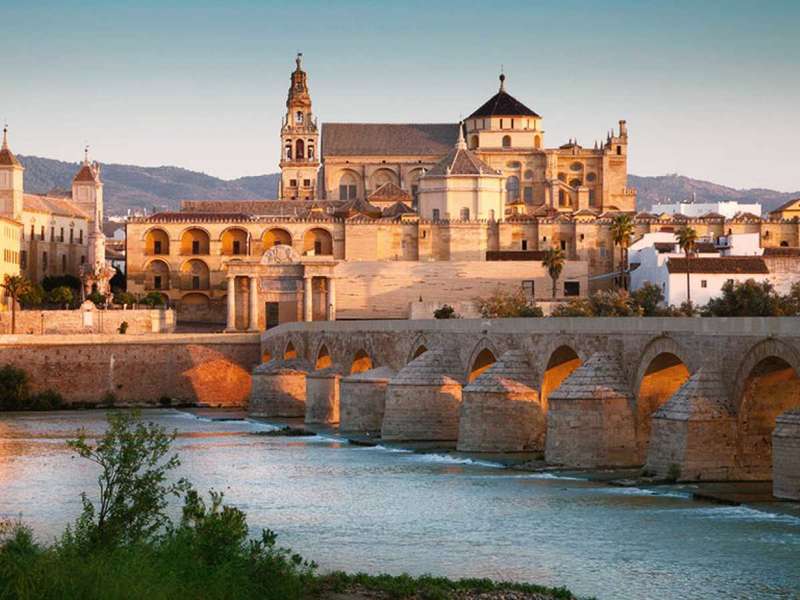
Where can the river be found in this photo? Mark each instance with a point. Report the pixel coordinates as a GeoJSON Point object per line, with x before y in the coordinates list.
{"type": "Point", "coordinates": [380, 510]}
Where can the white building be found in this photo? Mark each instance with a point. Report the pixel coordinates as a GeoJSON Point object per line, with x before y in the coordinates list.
{"type": "Point", "coordinates": [698, 209]}
{"type": "Point", "coordinates": [656, 258]}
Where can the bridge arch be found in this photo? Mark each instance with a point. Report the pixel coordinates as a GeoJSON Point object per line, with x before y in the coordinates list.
{"type": "Point", "coordinates": [483, 356]}
{"type": "Point", "coordinates": [663, 369]}
{"type": "Point", "coordinates": [323, 358]}
{"type": "Point", "coordinates": [419, 346]}
{"type": "Point", "coordinates": [767, 384]}
{"type": "Point", "coordinates": [361, 362]}
{"type": "Point", "coordinates": [562, 360]}
{"type": "Point", "coordinates": [289, 352]}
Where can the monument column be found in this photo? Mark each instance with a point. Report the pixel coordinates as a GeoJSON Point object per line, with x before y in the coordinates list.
{"type": "Point", "coordinates": [253, 303]}
{"type": "Point", "coordinates": [308, 300]}
{"type": "Point", "coordinates": [331, 299]}
{"type": "Point", "coordinates": [231, 303]}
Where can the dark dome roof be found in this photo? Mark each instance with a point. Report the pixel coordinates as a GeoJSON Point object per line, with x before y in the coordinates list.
{"type": "Point", "coordinates": [503, 104]}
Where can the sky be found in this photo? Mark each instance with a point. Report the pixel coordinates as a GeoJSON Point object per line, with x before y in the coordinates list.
{"type": "Point", "coordinates": [709, 89]}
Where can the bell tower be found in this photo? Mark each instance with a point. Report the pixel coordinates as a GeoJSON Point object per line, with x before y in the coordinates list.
{"type": "Point", "coordinates": [11, 181]}
{"type": "Point", "coordinates": [299, 141]}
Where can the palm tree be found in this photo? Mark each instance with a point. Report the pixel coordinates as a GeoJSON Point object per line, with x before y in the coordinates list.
{"type": "Point", "coordinates": [554, 263]}
{"type": "Point", "coordinates": [621, 232]}
{"type": "Point", "coordinates": [687, 238]}
{"type": "Point", "coordinates": [15, 286]}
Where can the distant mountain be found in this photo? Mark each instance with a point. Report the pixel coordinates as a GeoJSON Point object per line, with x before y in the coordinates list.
{"type": "Point", "coordinates": [677, 187]}
{"type": "Point", "coordinates": [163, 188]}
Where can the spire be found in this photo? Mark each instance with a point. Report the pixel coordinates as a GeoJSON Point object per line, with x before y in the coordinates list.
{"type": "Point", "coordinates": [86, 154]}
{"type": "Point", "coordinates": [299, 60]}
{"type": "Point", "coordinates": [5, 137]}
{"type": "Point", "coordinates": [460, 143]}
{"type": "Point", "coordinates": [502, 79]}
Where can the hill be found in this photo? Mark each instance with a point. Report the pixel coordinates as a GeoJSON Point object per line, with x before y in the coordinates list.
{"type": "Point", "coordinates": [128, 186]}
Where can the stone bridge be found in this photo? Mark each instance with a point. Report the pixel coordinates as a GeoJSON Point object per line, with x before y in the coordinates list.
{"type": "Point", "coordinates": [691, 398]}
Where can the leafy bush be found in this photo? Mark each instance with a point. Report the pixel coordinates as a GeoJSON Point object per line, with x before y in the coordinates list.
{"type": "Point", "coordinates": [152, 299]}
{"type": "Point", "coordinates": [446, 312]}
{"type": "Point", "coordinates": [52, 282]}
{"type": "Point", "coordinates": [15, 392]}
{"type": "Point", "coordinates": [125, 298]}
{"type": "Point", "coordinates": [503, 304]}
{"type": "Point", "coordinates": [96, 297]}
{"type": "Point", "coordinates": [33, 297]}
{"type": "Point", "coordinates": [61, 295]}
{"type": "Point", "coordinates": [123, 328]}
{"type": "Point", "coordinates": [748, 299]}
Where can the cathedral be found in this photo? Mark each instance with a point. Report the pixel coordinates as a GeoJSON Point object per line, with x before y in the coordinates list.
{"type": "Point", "coordinates": [378, 220]}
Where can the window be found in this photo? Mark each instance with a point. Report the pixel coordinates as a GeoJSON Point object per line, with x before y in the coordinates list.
{"type": "Point", "coordinates": [157, 247]}
{"type": "Point", "coordinates": [592, 198]}
{"type": "Point", "coordinates": [528, 289]}
{"type": "Point", "coordinates": [300, 150]}
{"type": "Point", "coordinates": [195, 282]}
{"type": "Point", "coordinates": [501, 123]}
{"type": "Point", "coordinates": [63, 263]}
{"type": "Point", "coordinates": [80, 236]}
{"type": "Point", "coordinates": [784, 244]}
{"type": "Point", "coordinates": [562, 198]}
{"type": "Point", "coordinates": [435, 214]}
{"type": "Point", "coordinates": [512, 188]}
{"type": "Point", "coordinates": [33, 233]}
{"type": "Point", "coordinates": [524, 244]}
{"type": "Point", "coordinates": [317, 247]}
{"type": "Point", "coordinates": [23, 259]}
{"type": "Point", "coordinates": [41, 234]}
{"type": "Point", "coordinates": [71, 236]}
{"type": "Point", "coordinates": [473, 142]}
{"type": "Point", "coordinates": [572, 288]}
{"type": "Point", "coordinates": [512, 123]}
{"type": "Point", "coordinates": [563, 244]}
{"type": "Point", "coordinates": [83, 259]}
{"type": "Point", "coordinates": [157, 282]}
{"type": "Point", "coordinates": [52, 234]}
{"type": "Point", "coordinates": [464, 214]}
{"type": "Point", "coordinates": [310, 152]}
{"type": "Point", "coordinates": [619, 150]}
{"type": "Point", "coordinates": [506, 141]}
{"type": "Point", "coordinates": [544, 238]}
{"type": "Point", "coordinates": [528, 195]}
{"type": "Point", "coordinates": [44, 261]}
{"type": "Point", "coordinates": [703, 283]}
{"type": "Point", "coordinates": [195, 247]}
{"type": "Point", "coordinates": [299, 116]}
{"type": "Point", "coordinates": [306, 183]}
{"type": "Point", "coordinates": [288, 152]}
{"type": "Point", "coordinates": [581, 237]}
{"type": "Point", "coordinates": [293, 183]}
{"type": "Point", "coordinates": [61, 237]}
{"type": "Point", "coordinates": [237, 247]}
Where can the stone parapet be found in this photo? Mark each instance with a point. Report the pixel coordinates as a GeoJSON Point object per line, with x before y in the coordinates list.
{"type": "Point", "coordinates": [279, 389]}
{"type": "Point", "coordinates": [589, 419]}
{"type": "Point", "coordinates": [500, 410]}
{"type": "Point", "coordinates": [362, 400]}
{"type": "Point", "coordinates": [786, 456]}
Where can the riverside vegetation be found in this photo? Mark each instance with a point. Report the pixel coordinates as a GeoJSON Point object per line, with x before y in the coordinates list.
{"type": "Point", "coordinates": [124, 544]}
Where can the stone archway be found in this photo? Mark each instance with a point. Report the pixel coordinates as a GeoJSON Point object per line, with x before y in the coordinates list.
{"type": "Point", "coordinates": [289, 352]}
{"type": "Point", "coordinates": [323, 359]}
{"type": "Point", "coordinates": [562, 362]}
{"type": "Point", "coordinates": [484, 355]}
{"type": "Point", "coordinates": [361, 362]}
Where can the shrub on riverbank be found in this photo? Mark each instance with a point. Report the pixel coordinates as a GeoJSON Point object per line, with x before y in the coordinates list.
{"type": "Point", "coordinates": [15, 392]}
{"type": "Point", "coordinates": [125, 544]}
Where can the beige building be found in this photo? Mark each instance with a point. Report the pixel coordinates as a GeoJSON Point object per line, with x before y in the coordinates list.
{"type": "Point", "coordinates": [10, 232]}
{"type": "Point", "coordinates": [60, 233]}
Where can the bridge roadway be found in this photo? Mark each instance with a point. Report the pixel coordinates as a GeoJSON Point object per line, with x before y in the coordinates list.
{"type": "Point", "coordinates": [692, 398]}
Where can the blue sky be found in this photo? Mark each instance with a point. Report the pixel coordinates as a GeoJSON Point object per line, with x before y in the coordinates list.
{"type": "Point", "coordinates": [710, 89]}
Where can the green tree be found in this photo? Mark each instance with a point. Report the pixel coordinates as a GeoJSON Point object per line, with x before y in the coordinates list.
{"type": "Point", "coordinates": [687, 240]}
{"type": "Point", "coordinates": [747, 299]}
{"type": "Point", "coordinates": [152, 299]}
{"type": "Point", "coordinates": [125, 298]}
{"type": "Point", "coordinates": [622, 229]}
{"type": "Point", "coordinates": [577, 307]}
{"type": "Point", "coordinates": [649, 298]}
{"type": "Point", "coordinates": [15, 286]}
{"type": "Point", "coordinates": [553, 261]}
{"type": "Point", "coordinates": [445, 312]}
{"type": "Point", "coordinates": [61, 295]}
{"type": "Point", "coordinates": [134, 491]}
{"type": "Point", "coordinates": [503, 304]}
{"type": "Point", "coordinates": [33, 297]}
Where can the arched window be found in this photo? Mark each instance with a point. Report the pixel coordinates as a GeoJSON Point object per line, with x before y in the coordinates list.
{"type": "Point", "coordinates": [562, 198]}
{"type": "Point", "coordinates": [288, 152]}
{"type": "Point", "coordinates": [464, 215]}
{"type": "Point", "coordinates": [575, 182]}
{"type": "Point", "coordinates": [299, 116]}
{"type": "Point", "coordinates": [310, 152]}
{"type": "Point", "coordinates": [512, 188]}
{"type": "Point", "coordinates": [537, 142]}
{"type": "Point", "coordinates": [348, 186]}
{"type": "Point", "coordinates": [506, 141]}
{"type": "Point", "coordinates": [473, 142]}
{"type": "Point", "coordinates": [299, 149]}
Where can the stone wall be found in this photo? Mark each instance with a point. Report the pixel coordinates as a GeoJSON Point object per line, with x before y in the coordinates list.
{"type": "Point", "coordinates": [68, 322]}
{"type": "Point", "coordinates": [208, 369]}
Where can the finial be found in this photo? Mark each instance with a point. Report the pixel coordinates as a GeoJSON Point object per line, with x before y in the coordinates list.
{"type": "Point", "coordinates": [5, 136]}
{"type": "Point", "coordinates": [461, 144]}
{"type": "Point", "coordinates": [502, 79]}
{"type": "Point", "coordinates": [86, 154]}
{"type": "Point", "coordinates": [299, 59]}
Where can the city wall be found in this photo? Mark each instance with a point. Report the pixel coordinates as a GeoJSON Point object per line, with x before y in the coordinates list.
{"type": "Point", "coordinates": [212, 369]}
{"type": "Point", "coordinates": [81, 321]}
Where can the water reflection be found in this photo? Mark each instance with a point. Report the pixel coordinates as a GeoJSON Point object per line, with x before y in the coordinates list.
{"type": "Point", "coordinates": [359, 508]}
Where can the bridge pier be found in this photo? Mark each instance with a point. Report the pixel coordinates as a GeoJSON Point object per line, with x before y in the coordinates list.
{"type": "Point", "coordinates": [279, 389]}
{"type": "Point", "coordinates": [786, 456]}
{"type": "Point", "coordinates": [500, 410]}
{"type": "Point", "coordinates": [362, 400]}
{"type": "Point", "coordinates": [693, 435]}
{"type": "Point", "coordinates": [322, 396]}
{"type": "Point", "coordinates": [589, 418]}
{"type": "Point", "coordinates": [423, 399]}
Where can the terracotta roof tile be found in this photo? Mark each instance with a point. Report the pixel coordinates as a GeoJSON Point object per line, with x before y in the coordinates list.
{"type": "Point", "coordinates": [52, 206]}
{"type": "Point", "coordinates": [721, 265]}
{"type": "Point", "coordinates": [7, 158]}
{"type": "Point", "coordinates": [391, 139]}
{"type": "Point", "coordinates": [460, 161]}
{"type": "Point", "coordinates": [389, 192]}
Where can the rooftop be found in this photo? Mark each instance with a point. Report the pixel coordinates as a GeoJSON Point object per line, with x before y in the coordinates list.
{"type": "Point", "coordinates": [720, 265]}
{"type": "Point", "coordinates": [393, 139]}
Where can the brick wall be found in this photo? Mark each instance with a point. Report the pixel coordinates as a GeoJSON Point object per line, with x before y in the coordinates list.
{"type": "Point", "coordinates": [44, 322]}
{"type": "Point", "coordinates": [209, 369]}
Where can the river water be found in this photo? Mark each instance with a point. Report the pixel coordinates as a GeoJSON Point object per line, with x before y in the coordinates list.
{"type": "Point", "coordinates": [381, 510]}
